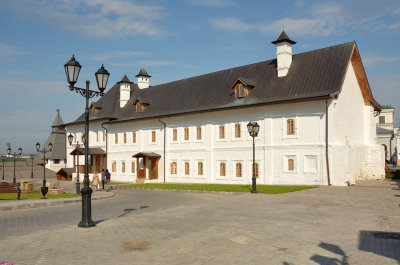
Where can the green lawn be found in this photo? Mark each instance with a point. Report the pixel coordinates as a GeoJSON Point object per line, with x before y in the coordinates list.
{"type": "Point", "coordinates": [13, 196]}
{"type": "Point", "coordinates": [271, 189]}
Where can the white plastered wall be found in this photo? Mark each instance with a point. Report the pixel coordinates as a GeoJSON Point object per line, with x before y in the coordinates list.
{"type": "Point", "coordinates": [353, 151]}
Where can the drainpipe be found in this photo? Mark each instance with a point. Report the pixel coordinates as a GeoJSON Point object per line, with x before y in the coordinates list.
{"type": "Point", "coordinates": [102, 126]}
{"type": "Point", "coordinates": [164, 145]}
{"type": "Point", "coordinates": [327, 142]}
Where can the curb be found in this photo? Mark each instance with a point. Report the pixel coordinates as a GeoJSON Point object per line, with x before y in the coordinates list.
{"type": "Point", "coordinates": [180, 190]}
{"type": "Point", "coordinates": [47, 203]}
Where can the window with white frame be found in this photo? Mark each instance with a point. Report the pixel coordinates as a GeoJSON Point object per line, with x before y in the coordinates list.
{"type": "Point", "coordinates": [187, 168]}
{"type": "Point", "coordinates": [290, 163]}
{"type": "Point", "coordinates": [134, 137]}
{"type": "Point", "coordinates": [175, 134]}
{"type": "Point", "coordinates": [200, 168]}
{"type": "Point", "coordinates": [222, 169]}
{"type": "Point", "coordinates": [198, 133]}
{"type": "Point", "coordinates": [173, 168]}
{"type": "Point", "coordinates": [186, 134]}
{"type": "Point", "coordinates": [239, 172]}
{"type": "Point", "coordinates": [238, 130]}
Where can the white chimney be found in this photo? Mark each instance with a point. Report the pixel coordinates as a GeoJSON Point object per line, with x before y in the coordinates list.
{"type": "Point", "coordinates": [143, 79]}
{"type": "Point", "coordinates": [283, 53]}
{"type": "Point", "coordinates": [124, 91]}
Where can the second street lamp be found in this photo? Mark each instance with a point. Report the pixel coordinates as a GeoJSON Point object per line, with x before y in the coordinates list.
{"type": "Point", "coordinates": [253, 129]}
{"type": "Point", "coordinates": [78, 184]}
{"type": "Point", "coordinates": [72, 69]}
{"type": "Point", "coordinates": [15, 158]}
{"type": "Point", "coordinates": [32, 157]}
{"type": "Point", "coordinates": [44, 189]}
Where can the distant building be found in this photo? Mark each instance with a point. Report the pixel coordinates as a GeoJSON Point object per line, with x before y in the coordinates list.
{"type": "Point", "coordinates": [56, 159]}
{"type": "Point", "coordinates": [385, 132]}
{"type": "Point", "coordinates": [315, 110]}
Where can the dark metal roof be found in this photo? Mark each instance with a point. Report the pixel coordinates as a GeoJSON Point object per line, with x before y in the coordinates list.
{"type": "Point", "coordinates": [312, 75]}
{"type": "Point", "coordinates": [92, 151]}
{"type": "Point", "coordinates": [282, 38]}
{"type": "Point", "coordinates": [144, 154]}
{"type": "Point", "coordinates": [125, 79]}
{"type": "Point", "coordinates": [143, 72]}
{"type": "Point", "coordinates": [380, 130]}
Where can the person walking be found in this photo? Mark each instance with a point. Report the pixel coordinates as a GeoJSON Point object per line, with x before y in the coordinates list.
{"type": "Point", "coordinates": [103, 177]}
{"type": "Point", "coordinates": [108, 179]}
{"type": "Point", "coordinates": [95, 180]}
{"type": "Point", "coordinates": [394, 160]}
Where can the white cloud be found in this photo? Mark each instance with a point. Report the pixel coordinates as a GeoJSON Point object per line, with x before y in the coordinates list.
{"type": "Point", "coordinates": [96, 18]}
{"type": "Point", "coordinates": [9, 51]}
{"type": "Point", "coordinates": [117, 54]}
{"type": "Point", "coordinates": [369, 60]}
{"type": "Point", "coordinates": [156, 63]}
{"type": "Point", "coordinates": [213, 3]}
{"type": "Point", "coordinates": [231, 24]}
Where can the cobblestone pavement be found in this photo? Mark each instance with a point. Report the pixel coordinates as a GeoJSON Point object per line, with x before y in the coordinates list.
{"type": "Point", "coordinates": [327, 225]}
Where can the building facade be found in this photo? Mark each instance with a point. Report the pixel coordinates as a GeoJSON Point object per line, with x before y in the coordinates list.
{"type": "Point", "coordinates": [315, 110]}
{"type": "Point", "coordinates": [386, 134]}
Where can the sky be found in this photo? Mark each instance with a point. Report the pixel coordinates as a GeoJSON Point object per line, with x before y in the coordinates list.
{"type": "Point", "coordinates": [173, 40]}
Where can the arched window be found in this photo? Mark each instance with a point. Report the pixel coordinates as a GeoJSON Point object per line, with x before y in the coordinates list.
{"type": "Point", "coordinates": [198, 133]}
{"type": "Point", "coordinates": [186, 135]}
{"type": "Point", "coordinates": [237, 130]}
{"type": "Point", "coordinates": [133, 167]}
{"type": "Point", "coordinates": [222, 169]}
{"type": "Point", "coordinates": [239, 170]}
{"type": "Point", "coordinates": [290, 127]}
{"type": "Point", "coordinates": [173, 168]}
{"type": "Point", "coordinates": [187, 168]}
{"type": "Point", "coordinates": [175, 135]}
{"type": "Point", "coordinates": [123, 167]}
{"type": "Point", "coordinates": [114, 166]}
{"type": "Point", "coordinates": [221, 132]}
{"type": "Point", "coordinates": [200, 168]}
{"type": "Point", "coordinates": [290, 164]}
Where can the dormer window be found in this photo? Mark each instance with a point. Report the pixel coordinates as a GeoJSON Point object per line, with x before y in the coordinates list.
{"type": "Point", "coordinates": [242, 87]}
{"type": "Point", "coordinates": [139, 107]}
{"type": "Point", "coordinates": [140, 104]}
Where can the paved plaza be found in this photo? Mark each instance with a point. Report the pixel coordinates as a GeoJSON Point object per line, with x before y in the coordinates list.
{"type": "Point", "coordinates": [326, 225]}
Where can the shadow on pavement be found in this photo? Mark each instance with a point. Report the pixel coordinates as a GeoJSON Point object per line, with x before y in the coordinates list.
{"type": "Point", "coordinates": [380, 243]}
{"type": "Point", "coordinates": [129, 210]}
{"type": "Point", "coordinates": [99, 221]}
{"type": "Point", "coordinates": [335, 249]}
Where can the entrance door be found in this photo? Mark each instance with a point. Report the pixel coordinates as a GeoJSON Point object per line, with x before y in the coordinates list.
{"type": "Point", "coordinates": [141, 167]}
{"type": "Point", "coordinates": [153, 168]}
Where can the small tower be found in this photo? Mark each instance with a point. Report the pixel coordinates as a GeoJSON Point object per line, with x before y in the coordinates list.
{"type": "Point", "coordinates": [124, 91]}
{"type": "Point", "coordinates": [143, 79]}
{"type": "Point", "coordinates": [283, 53]}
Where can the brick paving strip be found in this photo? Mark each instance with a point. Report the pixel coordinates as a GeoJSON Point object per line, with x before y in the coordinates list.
{"type": "Point", "coordinates": [327, 225]}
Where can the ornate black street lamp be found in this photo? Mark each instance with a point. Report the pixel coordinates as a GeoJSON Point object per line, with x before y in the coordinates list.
{"type": "Point", "coordinates": [78, 184]}
{"type": "Point", "coordinates": [15, 158]}
{"type": "Point", "coordinates": [72, 69]}
{"type": "Point", "coordinates": [32, 157]}
{"type": "Point", "coordinates": [253, 129]}
{"type": "Point", "coordinates": [44, 189]}
{"type": "Point", "coordinates": [3, 159]}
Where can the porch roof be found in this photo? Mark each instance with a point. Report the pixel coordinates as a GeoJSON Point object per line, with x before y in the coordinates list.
{"type": "Point", "coordinates": [147, 154]}
{"type": "Point", "coordinates": [92, 151]}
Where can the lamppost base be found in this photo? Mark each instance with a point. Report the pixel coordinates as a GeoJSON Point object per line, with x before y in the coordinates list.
{"type": "Point", "coordinates": [86, 208]}
{"type": "Point", "coordinates": [44, 191]}
{"type": "Point", "coordinates": [254, 186]}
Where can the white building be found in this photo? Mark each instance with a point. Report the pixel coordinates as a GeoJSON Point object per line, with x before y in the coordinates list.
{"type": "Point", "coordinates": [386, 134]}
{"type": "Point", "coordinates": [55, 160]}
{"type": "Point", "coordinates": [315, 111]}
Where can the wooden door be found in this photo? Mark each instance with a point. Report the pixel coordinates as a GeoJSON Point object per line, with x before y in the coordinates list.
{"type": "Point", "coordinates": [141, 168]}
{"type": "Point", "coordinates": [153, 168]}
